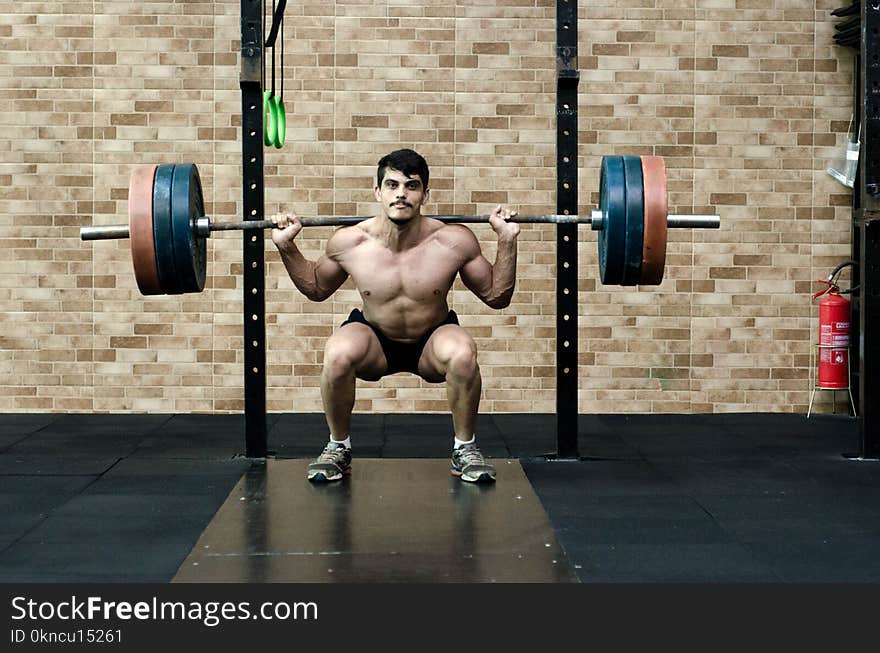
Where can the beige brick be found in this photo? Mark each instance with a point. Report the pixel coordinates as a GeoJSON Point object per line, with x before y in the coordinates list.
{"type": "Point", "coordinates": [746, 109]}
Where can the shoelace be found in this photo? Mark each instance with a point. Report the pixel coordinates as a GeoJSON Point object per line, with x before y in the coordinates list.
{"type": "Point", "coordinates": [471, 456]}
{"type": "Point", "coordinates": [331, 453]}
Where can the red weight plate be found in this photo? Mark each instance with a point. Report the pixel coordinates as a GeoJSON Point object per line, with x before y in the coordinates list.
{"type": "Point", "coordinates": [654, 244]}
{"type": "Point", "coordinates": [140, 230]}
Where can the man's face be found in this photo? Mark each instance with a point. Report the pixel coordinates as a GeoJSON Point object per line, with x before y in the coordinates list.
{"type": "Point", "coordinates": [401, 197]}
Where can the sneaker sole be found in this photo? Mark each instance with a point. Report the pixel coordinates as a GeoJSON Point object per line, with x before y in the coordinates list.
{"type": "Point", "coordinates": [485, 477]}
{"type": "Point", "coordinates": [321, 477]}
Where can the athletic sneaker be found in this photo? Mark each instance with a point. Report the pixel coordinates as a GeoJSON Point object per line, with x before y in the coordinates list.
{"type": "Point", "coordinates": [333, 463]}
{"type": "Point", "coordinates": [468, 464]}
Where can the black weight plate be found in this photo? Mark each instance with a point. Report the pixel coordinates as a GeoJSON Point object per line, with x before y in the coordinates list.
{"type": "Point", "coordinates": [635, 220]}
{"type": "Point", "coordinates": [187, 204]}
{"type": "Point", "coordinates": [612, 236]}
{"type": "Point", "coordinates": [162, 238]}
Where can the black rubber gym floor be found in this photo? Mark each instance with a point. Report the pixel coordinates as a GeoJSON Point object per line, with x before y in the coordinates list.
{"type": "Point", "coordinates": [655, 498]}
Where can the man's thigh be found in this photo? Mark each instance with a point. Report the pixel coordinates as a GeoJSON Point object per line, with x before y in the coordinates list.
{"type": "Point", "coordinates": [442, 346]}
{"type": "Point", "coordinates": [360, 343]}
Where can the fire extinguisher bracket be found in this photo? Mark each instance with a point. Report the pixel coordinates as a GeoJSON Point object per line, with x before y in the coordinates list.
{"type": "Point", "coordinates": [841, 354]}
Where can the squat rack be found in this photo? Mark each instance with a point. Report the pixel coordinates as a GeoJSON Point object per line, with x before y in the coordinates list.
{"type": "Point", "coordinates": [253, 47]}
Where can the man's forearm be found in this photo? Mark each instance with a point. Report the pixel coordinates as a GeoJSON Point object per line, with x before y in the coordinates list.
{"type": "Point", "coordinates": [300, 269]}
{"type": "Point", "coordinates": [503, 273]}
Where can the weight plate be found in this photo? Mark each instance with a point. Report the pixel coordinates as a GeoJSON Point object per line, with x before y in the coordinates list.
{"type": "Point", "coordinates": [635, 220]}
{"type": "Point", "coordinates": [187, 204]}
{"type": "Point", "coordinates": [162, 237]}
{"type": "Point", "coordinates": [140, 229]}
{"type": "Point", "coordinates": [656, 208]}
{"type": "Point", "coordinates": [612, 236]}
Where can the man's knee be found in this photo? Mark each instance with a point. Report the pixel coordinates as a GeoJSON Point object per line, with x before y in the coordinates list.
{"type": "Point", "coordinates": [462, 359]}
{"type": "Point", "coordinates": [353, 349]}
{"type": "Point", "coordinates": [341, 356]}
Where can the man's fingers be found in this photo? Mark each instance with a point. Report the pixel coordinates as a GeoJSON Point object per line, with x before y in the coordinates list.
{"type": "Point", "coordinates": [284, 220]}
{"type": "Point", "coordinates": [504, 214]}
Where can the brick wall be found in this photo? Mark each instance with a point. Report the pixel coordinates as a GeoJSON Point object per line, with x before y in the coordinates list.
{"type": "Point", "coordinates": [748, 101]}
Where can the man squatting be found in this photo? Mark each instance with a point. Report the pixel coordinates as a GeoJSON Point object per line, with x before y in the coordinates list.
{"type": "Point", "coordinates": [403, 265]}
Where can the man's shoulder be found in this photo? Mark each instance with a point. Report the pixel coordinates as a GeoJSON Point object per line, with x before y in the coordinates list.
{"type": "Point", "coordinates": [458, 236]}
{"type": "Point", "coordinates": [345, 238]}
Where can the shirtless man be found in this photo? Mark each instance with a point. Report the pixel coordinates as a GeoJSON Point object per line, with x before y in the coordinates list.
{"type": "Point", "coordinates": [403, 264]}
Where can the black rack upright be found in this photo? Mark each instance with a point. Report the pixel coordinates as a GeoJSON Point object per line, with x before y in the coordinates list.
{"type": "Point", "coordinates": [567, 78]}
{"type": "Point", "coordinates": [254, 282]}
{"type": "Point", "coordinates": [866, 240]}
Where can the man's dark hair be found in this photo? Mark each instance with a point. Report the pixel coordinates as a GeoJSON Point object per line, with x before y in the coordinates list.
{"type": "Point", "coordinates": [409, 162]}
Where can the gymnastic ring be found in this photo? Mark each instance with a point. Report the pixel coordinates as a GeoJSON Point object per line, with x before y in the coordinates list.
{"type": "Point", "coordinates": [270, 122]}
{"type": "Point", "coordinates": [280, 122]}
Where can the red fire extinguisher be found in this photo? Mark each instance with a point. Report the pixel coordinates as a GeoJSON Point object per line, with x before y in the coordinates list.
{"type": "Point", "coordinates": [834, 328]}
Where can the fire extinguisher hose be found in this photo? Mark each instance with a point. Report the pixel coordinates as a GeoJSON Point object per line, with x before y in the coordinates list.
{"type": "Point", "coordinates": [832, 279]}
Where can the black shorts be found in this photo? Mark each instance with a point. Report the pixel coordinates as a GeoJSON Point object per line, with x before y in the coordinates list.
{"type": "Point", "coordinates": [401, 356]}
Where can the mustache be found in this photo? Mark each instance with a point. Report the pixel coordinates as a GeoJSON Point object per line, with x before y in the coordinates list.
{"type": "Point", "coordinates": [401, 202]}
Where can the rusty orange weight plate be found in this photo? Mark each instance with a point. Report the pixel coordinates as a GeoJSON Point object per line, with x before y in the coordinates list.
{"type": "Point", "coordinates": [140, 229]}
{"type": "Point", "coordinates": [656, 208]}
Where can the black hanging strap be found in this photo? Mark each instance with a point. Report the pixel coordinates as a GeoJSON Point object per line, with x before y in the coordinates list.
{"type": "Point", "coordinates": [277, 17]}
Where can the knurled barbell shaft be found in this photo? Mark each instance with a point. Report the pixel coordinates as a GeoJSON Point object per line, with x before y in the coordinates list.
{"type": "Point", "coordinates": [205, 225]}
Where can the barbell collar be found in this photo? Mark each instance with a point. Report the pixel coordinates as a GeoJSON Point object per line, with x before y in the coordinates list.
{"type": "Point", "coordinates": [203, 226]}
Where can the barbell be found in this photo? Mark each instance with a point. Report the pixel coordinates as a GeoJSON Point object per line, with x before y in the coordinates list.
{"type": "Point", "coordinates": [167, 226]}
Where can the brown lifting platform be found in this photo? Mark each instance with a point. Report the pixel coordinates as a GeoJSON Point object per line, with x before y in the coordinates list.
{"type": "Point", "coordinates": [393, 520]}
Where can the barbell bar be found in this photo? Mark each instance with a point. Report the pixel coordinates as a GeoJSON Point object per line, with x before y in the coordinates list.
{"type": "Point", "coordinates": [206, 225]}
{"type": "Point", "coordinates": [168, 229]}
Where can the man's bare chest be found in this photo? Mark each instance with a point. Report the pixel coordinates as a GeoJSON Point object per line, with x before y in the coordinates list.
{"type": "Point", "coordinates": [421, 273]}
